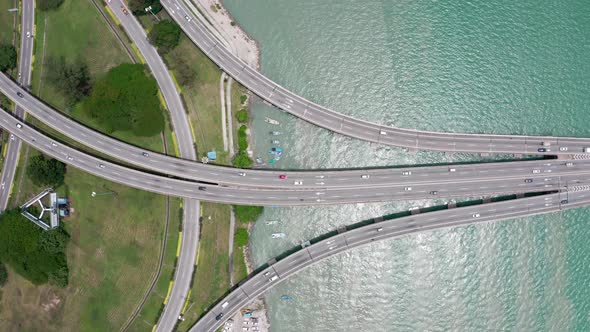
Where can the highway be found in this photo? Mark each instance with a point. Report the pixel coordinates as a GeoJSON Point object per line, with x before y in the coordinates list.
{"type": "Point", "coordinates": [180, 123]}
{"type": "Point", "coordinates": [24, 78]}
{"type": "Point", "coordinates": [349, 126]}
{"type": "Point", "coordinates": [281, 270]}
{"type": "Point", "coordinates": [319, 179]}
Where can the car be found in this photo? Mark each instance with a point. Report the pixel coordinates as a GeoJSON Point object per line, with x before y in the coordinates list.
{"type": "Point", "coordinates": [242, 174]}
{"type": "Point", "coordinates": [145, 154]}
{"type": "Point", "coordinates": [564, 201]}
{"type": "Point", "coordinates": [18, 125]}
{"type": "Point", "coordinates": [569, 164]}
{"type": "Point", "coordinates": [542, 150]}
{"type": "Point", "coordinates": [384, 133]}
{"type": "Point", "coordinates": [20, 94]}
{"type": "Point", "coordinates": [53, 144]}
{"type": "Point", "coordinates": [225, 304]}
{"type": "Point", "coordinates": [297, 183]}
{"type": "Point", "coordinates": [380, 229]}
{"type": "Point", "coordinates": [12, 137]}
{"type": "Point", "coordinates": [563, 148]}
{"type": "Point", "coordinates": [528, 180]}
{"type": "Point", "coordinates": [101, 165]}
{"type": "Point", "coordinates": [70, 158]}
{"type": "Point", "coordinates": [365, 176]}
{"type": "Point", "coordinates": [408, 188]}
{"type": "Point", "coordinates": [434, 192]}
{"type": "Point", "coordinates": [188, 19]}
{"type": "Point", "coordinates": [219, 317]}
{"type": "Point", "coordinates": [475, 215]}
{"type": "Point", "coordinates": [282, 176]}
{"type": "Point", "coordinates": [406, 173]}
{"type": "Point", "coordinates": [273, 278]}
{"type": "Point", "coordinates": [535, 171]}
{"type": "Point", "coordinates": [452, 170]}
{"type": "Point", "coordinates": [267, 273]}
{"type": "Point", "coordinates": [28, 34]}
{"type": "Point", "coordinates": [203, 188]}
{"type": "Point", "coordinates": [124, 10]}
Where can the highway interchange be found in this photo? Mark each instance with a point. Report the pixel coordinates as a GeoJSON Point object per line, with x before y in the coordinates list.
{"type": "Point", "coordinates": [24, 78]}
{"type": "Point", "coordinates": [264, 280]}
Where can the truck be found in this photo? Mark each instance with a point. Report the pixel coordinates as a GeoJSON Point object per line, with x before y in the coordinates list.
{"type": "Point", "coordinates": [587, 150]}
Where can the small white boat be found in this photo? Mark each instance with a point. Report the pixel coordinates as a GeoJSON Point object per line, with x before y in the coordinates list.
{"type": "Point", "coordinates": [278, 235]}
{"type": "Point", "coordinates": [270, 222]}
{"type": "Point", "coordinates": [271, 121]}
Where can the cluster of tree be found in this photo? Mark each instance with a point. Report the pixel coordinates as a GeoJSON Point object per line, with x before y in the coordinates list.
{"type": "Point", "coordinates": [7, 57]}
{"type": "Point", "coordinates": [242, 159]}
{"type": "Point", "coordinates": [242, 116]}
{"type": "Point", "coordinates": [46, 5]}
{"type": "Point", "coordinates": [242, 138]}
{"type": "Point", "coordinates": [246, 213]}
{"type": "Point", "coordinates": [126, 99]}
{"type": "Point", "coordinates": [3, 274]}
{"type": "Point", "coordinates": [165, 35]}
{"type": "Point", "coordinates": [138, 7]}
{"type": "Point", "coordinates": [183, 69]}
{"type": "Point", "coordinates": [71, 79]}
{"type": "Point", "coordinates": [37, 255]}
{"type": "Point", "coordinates": [46, 172]}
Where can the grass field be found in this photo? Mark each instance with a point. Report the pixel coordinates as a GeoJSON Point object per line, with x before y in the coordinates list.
{"type": "Point", "coordinates": [114, 250]}
{"type": "Point", "coordinates": [211, 278]}
{"type": "Point", "coordinates": [7, 20]}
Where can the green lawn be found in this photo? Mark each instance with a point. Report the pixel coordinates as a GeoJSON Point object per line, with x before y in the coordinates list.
{"type": "Point", "coordinates": [7, 20]}
{"type": "Point", "coordinates": [211, 278]}
{"type": "Point", "coordinates": [112, 256]}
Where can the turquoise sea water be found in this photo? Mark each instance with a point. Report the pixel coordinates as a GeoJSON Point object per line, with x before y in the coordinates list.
{"type": "Point", "coordinates": [517, 67]}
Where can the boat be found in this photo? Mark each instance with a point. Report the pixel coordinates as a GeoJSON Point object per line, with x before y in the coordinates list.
{"type": "Point", "coordinates": [278, 235]}
{"type": "Point", "coordinates": [270, 222]}
{"type": "Point", "coordinates": [275, 133]}
{"type": "Point", "coordinates": [271, 121]}
{"type": "Point", "coordinates": [275, 142]}
{"type": "Point", "coordinates": [286, 298]}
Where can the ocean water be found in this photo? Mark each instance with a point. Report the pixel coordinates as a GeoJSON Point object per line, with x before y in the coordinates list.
{"type": "Point", "coordinates": [513, 67]}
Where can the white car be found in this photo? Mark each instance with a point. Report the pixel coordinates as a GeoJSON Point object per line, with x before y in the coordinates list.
{"type": "Point", "coordinates": [563, 148]}
{"type": "Point", "coordinates": [70, 158]}
{"type": "Point", "coordinates": [101, 165]}
{"type": "Point", "coordinates": [12, 137]}
{"type": "Point", "coordinates": [406, 173]}
{"type": "Point", "coordinates": [242, 174]}
{"type": "Point", "coordinates": [18, 125]}
{"type": "Point", "coordinates": [408, 188]}
{"type": "Point", "coordinates": [298, 183]}
{"type": "Point", "coordinates": [536, 171]}
{"type": "Point", "coordinates": [475, 215]}
{"type": "Point", "coordinates": [365, 176]}
{"type": "Point", "coordinates": [188, 19]}
{"type": "Point", "coordinates": [28, 34]}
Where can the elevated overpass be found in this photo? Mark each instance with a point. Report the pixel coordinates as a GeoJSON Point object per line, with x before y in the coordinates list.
{"type": "Point", "coordinates": [344, 240]}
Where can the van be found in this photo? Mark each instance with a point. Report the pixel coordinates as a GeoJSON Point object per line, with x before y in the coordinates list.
{"type": "Point", "coordinates": [452, 170]}
{"type": "Point", "coordinates": [586, 150]}
{"type": "Point", "coordinates": [224, 305]}
{"type": "Point", "coordinates": [273, 278]}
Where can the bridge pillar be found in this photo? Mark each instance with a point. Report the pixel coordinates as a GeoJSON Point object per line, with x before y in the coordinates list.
{"type": "Point", "coordinates": [271, 262]}
{"type": "Point", "coordinates": [520, 195]}
{"type": "Point", "coordinates": [487, 200]}
{"type": "Point", "coordinates": [341, 229]}
{"type": "Point", "coordinates": [452, 205]}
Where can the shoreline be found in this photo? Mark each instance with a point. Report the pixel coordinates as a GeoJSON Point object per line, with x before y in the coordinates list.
{"type": "Point", "coordinates": [247, 49]}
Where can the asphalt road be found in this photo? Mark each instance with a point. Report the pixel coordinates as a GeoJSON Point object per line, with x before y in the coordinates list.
{"type": "Point", "coordinates": [302, 259]}
{"type": "Point", "coordinates": [180, 123]}
{"type": "Point", "coordinates": [349, 126]}
{"type": "Point", "coordinates": [552, 175]}
{"type": "Point", "coordinates": [24, 79]}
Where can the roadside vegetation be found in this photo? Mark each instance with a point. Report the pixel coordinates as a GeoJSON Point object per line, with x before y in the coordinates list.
{"type": "Point", "coordinates": [3, 274]}
{"type": "Point", "coordinates": [46, 172]}
{"type": "Point", "coordinates": [46, 5]}
{"type": "Point", "coordinates": [7, 57]}
{"type": "Point", "coordinates": [242, 116]}
{"type": "Point", "coordinates": [165, 35]}
{"type": "Point", "coordinates": [126, 99]}
{"type": "Point", "coordinates": [37, 255]}
{"type": "Point", "coordinates": [70, 79]}
{"type": "Point", "coordinates": [138, 7]}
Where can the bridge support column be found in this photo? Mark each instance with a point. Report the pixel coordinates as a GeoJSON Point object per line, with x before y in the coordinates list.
{"type": "Point", "coordinates": [452, 205]}
{"type": "Point", "coordinates": [487, 200]}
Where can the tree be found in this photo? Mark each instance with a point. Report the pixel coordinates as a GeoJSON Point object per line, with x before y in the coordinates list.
{"type": "Point", "coordinates": [183, 70]}
{"type": "Point", "coordinates": [241, 237]}
{"type": "Point", "coordinates": [138, 7]}
{"type": "Point", "coordinates": [246, 213]}
{"type": "Point", "coordinates": [3, 274]}
{"type": "Point", "coordinates": [242, 138]}
{"type": "Point", "coordinates": [242, 160]}
{"type": "Point", "coordinates": [165, 35]}
{"type": "Point", "coordinates": [46, 172]}
{"type": "Point", "coordinates": [242, 116]}
{"type": "Point", "coordinates": [47, 5]}
{"type": "Point", "coordinates": [72, 79]}
{"type": "Point", "coordinates": [22, 247]}
{"type": "Point", "coordinates": [7, 57]}
{"type": "Point", "coordinates": [126, 99]}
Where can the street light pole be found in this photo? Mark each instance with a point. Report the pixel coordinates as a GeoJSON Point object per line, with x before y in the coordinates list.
{"type": "Point", "coordinates": [94, 194]}
{"type": "Point", "coordinates": [150, 10]}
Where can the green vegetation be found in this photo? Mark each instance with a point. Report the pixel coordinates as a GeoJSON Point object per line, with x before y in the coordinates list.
{"type": "Point", "coordinates": [70, 79]}
{"type": "Point", "coordinates": [242, 116]}
{"type": "Point", "coordinates": [3, 274]}
{"type": "Point", "coordinates": [46, 172]}
{"type": "Point", "coordinates": [246, 214]}
{"type": "Point", "coordinates": [33, 253]}
{"type": "Point", "coordinates": [7, 57]}
{"type": "Point", "coordinates": [241, 237]}
{"type": "Point", "coordinates": [46, 5]}
{"type": "Point", "coordinates": [138, 7]}
{"type": "Point", "coordinates": [243, 99]}
{"type": "Point", "coordinates": [182, 68]}
{"type": "Point", "coordinates": [165, 35]}
{"type": "Point", "coordinates": [7, 20]}
{"type": "Point", "coordinates": [126, 99]}
{"type": "Point", "coordinates": [242, 138]}
{"type": "Point", "coordinates": [242, 160]}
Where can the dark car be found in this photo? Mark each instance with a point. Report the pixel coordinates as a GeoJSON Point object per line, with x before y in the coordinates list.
{"type": "Point", "coordinates": [528, 180]}
{"type": "Point", "coordinates": [542, 150]}
{"type": "Point", "coordinates": [564, 201]}
{"type": "Point", "coordinates": [20, 94]}
{"type": "Point", "coordinates": [203, 188]}
{"type": "Point", "coordinates": [434, 192]}
{"type": "Point", "coordinates": [218, 317]}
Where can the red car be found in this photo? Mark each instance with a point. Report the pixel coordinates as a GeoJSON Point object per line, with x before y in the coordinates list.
{"type": "Point", "coordinates": [282, 176]}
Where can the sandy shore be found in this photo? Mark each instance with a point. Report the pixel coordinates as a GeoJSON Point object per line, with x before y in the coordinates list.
{"type": "Point", "coordinates": [237, 40]}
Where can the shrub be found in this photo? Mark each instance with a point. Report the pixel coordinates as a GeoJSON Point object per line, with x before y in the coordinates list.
{"type": "Point", "coordinates": [138, 7]}
{"type": "Point", "coordinates": [46, 172]}
{"type": "Point", "coordinates": [165, 35]}
{"type": "Point", "coordinates": [242, 138]}
{"type": "Point", "coordinates": [126, 99]}
{"type": "Point", "coordinates": [241, 237]}
{"type": "Point", "coordinates": [3, 275]}
{"type": "Point", "coordinates": [73, 79]}
{"type": "Point", "coordinates": [242, 160]}
{"type": "Point", "coordinates": [7, 57]}
{"type": "Point", "coordinates": [242, 116]}
{"type": "Point", "coordinates": [243, 99]}
{"type": "Point", "coordinates": [46, 5]}
{"type": "Point", "coordinates": [246, 213]}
